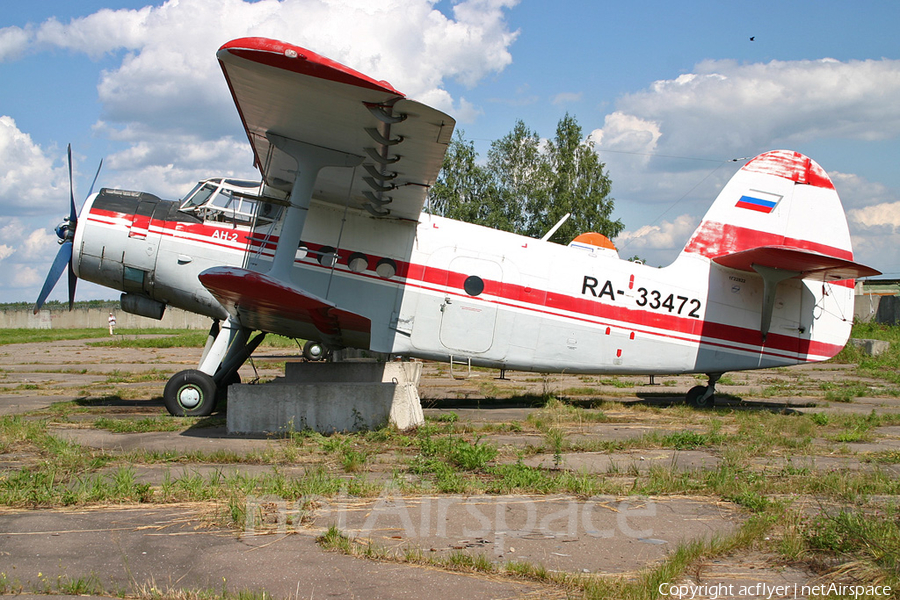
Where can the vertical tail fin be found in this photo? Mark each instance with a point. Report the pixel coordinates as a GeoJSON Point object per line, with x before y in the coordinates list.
{"type": "Point", "coordinates": [780, 198]}
{"type": "Point", "coordinates": [781, 218]}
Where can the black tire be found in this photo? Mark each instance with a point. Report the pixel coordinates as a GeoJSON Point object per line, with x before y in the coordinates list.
{"type": "Point", "coordinates": [314, 351]}
{"type": "Point", "coordinates": [695, 398]}
{"type": "Point", "coordinates": [190, 393]}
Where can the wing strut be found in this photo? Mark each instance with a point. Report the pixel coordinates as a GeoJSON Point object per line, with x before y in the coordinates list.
{"type": "Point", "coordinates": [771, 278]}
{"type": "Point", "coordinates": [310, 160]}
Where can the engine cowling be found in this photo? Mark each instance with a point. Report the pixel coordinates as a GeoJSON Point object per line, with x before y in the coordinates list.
{"type": "Point", "coordinates": [125, 240]}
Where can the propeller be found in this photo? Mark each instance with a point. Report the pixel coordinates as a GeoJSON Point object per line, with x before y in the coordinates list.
{"type": "Point", "coordinates": [66, 233]}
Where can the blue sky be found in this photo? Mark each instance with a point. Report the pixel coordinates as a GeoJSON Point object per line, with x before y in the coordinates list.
{"type": "Point", "coordinates": [668, 92]}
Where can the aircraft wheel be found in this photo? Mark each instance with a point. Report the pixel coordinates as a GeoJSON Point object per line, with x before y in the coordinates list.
{"type": "Point", "coordinates": [695, 398]}
{"type": "Point", "coordinates": [314, 351]}
{"type": "Point", "coordinates": [190, 393]}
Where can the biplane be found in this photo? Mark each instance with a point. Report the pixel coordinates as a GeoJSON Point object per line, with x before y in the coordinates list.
{"type": "Point", "coordinates": [333, 246]}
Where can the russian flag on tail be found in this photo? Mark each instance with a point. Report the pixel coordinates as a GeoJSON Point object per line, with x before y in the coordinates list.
{"type": "Point", "coordinates": [757, 204]}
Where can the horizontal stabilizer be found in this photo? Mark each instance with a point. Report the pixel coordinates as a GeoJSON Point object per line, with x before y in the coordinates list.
{"type": "Point", "coordinates": [806, 263]}
{"type": "Point", "coordinates": [268, 304]}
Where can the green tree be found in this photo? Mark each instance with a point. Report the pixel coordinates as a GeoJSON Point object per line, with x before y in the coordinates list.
{"type": "Point", "coordinates": [519, 173]}
{"type": "Point", "coordinates": [463, 186]}
{"type": "Point", "coordinates": [525, 188]}
{"type": "Point", "coordinates": [578, 185]}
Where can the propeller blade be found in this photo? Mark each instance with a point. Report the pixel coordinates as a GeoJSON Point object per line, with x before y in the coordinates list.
{"type": "Point", "coordinates": [62, 260]}
{"type": "Point", "coordinates": [73, 279]}
{"type": "Point", "coordinates": [73, 212]}
{"type": "Point", "coordinates": [96, 175]}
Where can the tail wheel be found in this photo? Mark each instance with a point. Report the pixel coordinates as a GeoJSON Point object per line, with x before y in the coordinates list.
{"type": "Point", "coordinates": [695, 398]}
{"type": "Point", "coordinates": [314, 351]}
{"type": "Point", "coordinates": [190, 393]}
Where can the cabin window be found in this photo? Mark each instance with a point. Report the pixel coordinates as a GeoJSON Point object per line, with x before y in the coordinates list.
{"type": "Point", "coordinates": [358, 262]}
{"type": "Point", "coordinates": [473, 285]}
{"type": "Point", "coordinates": [386, 268]}
{"type": "Point", "coordinates": [327, 256]}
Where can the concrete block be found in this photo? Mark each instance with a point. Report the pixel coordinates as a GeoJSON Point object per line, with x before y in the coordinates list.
{"type": "Point", "coordinates": [348, 372]}
{"type": "Point", "coordinates": [871, 347]}
{"type": "Point", "coordinates": [327, 398]}
{"type": "Point", "coordinates": [865, 307]}
{"type": "Point", "coordinates": [888, 311]}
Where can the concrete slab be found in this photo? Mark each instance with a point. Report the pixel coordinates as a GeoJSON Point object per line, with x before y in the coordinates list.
{"type": "Point", "coordinates": [207, 439]}
{"type": "Point", "coordinates": [745, 575]}
{"type": "Point", "coordinates": [823, 463]}
{"type": "Point", "coordinates": [603, 534]}
{"type": "Point", "coordinates": [173, 547]}
{"type": "Point", "coordinates": [627, 462]}
{"type": "Point", "coordinates": [15, 405]}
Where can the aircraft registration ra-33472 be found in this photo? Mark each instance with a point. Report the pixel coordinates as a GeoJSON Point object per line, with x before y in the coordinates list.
{"type": "Point", "coordinates": [333, 246]}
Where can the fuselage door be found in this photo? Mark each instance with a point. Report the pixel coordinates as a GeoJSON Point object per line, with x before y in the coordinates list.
{"type": "Point", "coordinates": [468, 318]}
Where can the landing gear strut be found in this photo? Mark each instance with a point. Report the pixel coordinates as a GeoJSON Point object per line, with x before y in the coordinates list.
{"type": "Point", "coordinates": [703, 396]}
{"type": "Point", "coordinates": [195, 392]}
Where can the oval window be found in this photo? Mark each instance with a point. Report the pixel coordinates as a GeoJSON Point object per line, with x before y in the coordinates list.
{"type": "Point", "coordinates": [473, 285]}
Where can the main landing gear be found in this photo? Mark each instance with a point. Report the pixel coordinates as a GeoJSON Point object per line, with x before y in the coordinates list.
{"type": "Point", "coordinates": [703, 396]}
{"type": "Point", "coordinates": [195, 392]}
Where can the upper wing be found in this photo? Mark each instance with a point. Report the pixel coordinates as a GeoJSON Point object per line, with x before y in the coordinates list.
{"type": "Point", "coordinates": [294, 93]}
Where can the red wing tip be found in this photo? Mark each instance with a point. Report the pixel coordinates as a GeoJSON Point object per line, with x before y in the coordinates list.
{"type": "Point", "coordinates": [300, 60]}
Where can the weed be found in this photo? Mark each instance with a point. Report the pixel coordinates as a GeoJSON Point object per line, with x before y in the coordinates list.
{"type": "Point", "coordinates": [354, 460]}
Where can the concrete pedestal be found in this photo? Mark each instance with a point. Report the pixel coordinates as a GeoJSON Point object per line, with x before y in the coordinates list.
{"type": "Point", "coordinates": [329, 397]}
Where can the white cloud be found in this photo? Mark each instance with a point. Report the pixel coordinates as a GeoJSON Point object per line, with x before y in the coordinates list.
{"type": "Point", "coordinates": [29, 182]}
{"type": "Point", "coordinates": [885, 215]}
{"type": "Point", "coordinates": [627, 133]}
{"type": "Point", "coordinates": [22, 276]}
{"type": "Point", "coordinates": [658, 244]}
{"type": "Point", "coordinates": [856, 191]}
{"type": "Point", "coordinates": [13, 42]}
{"type": "Point", "coordinates": [726, 108]}
{"type": "Point", "coordinates": [566, 98]}
{"type": "Point", "coordinates": [166, 108]}
{"type": "Point", "coordinates": [168, 78]}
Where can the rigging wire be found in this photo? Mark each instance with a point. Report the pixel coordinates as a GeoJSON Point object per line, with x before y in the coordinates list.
{"type": "Point", "coordinates": [687, 193]}
{"type": "Point", "coordinates": [337, 245]}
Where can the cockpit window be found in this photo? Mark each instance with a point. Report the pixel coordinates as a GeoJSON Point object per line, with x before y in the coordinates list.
{"type": "Point", "coordinates": [222, 199]}
{"type": "Point", "coordinates": [227, 201]}
{"type": "Point", "coordinates": [198, 196]}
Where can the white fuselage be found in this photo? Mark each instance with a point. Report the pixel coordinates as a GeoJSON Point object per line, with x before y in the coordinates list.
{"type": "Point", "coordinates": [445, 290]}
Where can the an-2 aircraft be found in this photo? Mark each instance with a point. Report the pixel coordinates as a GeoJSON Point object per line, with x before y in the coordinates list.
{"type": "Point", "coordinates": [334, 246]}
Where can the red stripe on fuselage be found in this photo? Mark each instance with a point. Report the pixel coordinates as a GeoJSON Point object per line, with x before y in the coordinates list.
{"type": "Point", "coordinates": [550, 303]}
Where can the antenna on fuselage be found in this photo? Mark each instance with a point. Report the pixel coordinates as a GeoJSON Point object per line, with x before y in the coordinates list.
{"type": "Point", "coordinates": [553, 229]}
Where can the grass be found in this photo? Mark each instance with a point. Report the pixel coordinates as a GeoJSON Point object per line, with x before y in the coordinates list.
{"type": "Point", "coordinates": [178, 338]}
{"type": "Point", "coordinates": [839, 522]}
{"type": "Point", "coordinates": [24, 336]}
